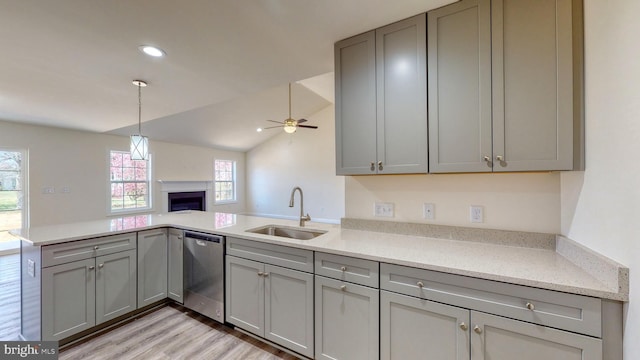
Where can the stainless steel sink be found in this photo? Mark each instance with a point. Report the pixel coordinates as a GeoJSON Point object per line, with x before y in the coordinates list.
{"type": "Point", "coordinates": [287, 232]}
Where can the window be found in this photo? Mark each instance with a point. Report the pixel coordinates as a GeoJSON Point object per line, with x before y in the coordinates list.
{"type": "Point", "coordinates": [225, 180]}
{"type": "Point", "coordinates": [130, 182]}
{"type": "Point", "coordinates": [12, 193]}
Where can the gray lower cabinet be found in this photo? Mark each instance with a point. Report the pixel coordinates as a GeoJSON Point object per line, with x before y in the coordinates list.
{"type": "Point", "coordinates": [414, 328]}
{"type": "Point", "coordinates": [346, 320]}
{"type": "Point", "coordinates": [116, 291]}
{"type": "Point", "coordinates": [68, 299]}
{"type": "Point", "coordinates": [272, 302]}
{"type": "Point", "coordinates": [152, 266]}
{"type": "Point", "coordinates": [175, 274]}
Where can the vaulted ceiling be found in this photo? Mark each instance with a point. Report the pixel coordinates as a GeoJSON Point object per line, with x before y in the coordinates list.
{"type": "Point", "coordinates": [70, 63]}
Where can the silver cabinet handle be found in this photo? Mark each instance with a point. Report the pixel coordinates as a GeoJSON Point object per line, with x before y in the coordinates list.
{"type": "Point", "coordinates": [530, 306]}
{"type": "Point", "coordinates": [373, 166]}
{"type": "Point", "coordinates": [500, 158]}
{"type": "Point", "coordinates": [464, 326]}
{"type": "Point", "coordinates": [96, 247]}
{"type": "Point", "coordinates": [101, 266]}
{"type": "Point", "coordinates": [380, 165]}
{"type": "Point", "coordinates": [344, 268]}
{"type": "Point", "coordinates": [486, 158]}
{"type": "Point", "coordinates": [260, 273]}
{"type": "Point", "coordinates": [477, 329]}
{"type": "Point", "coordinates": [420, 284]}
{"type": "Point", "coordinates": [179, 237]}
{"type": "Point", "coordinates": [343, 287]}
{"type": "Point", "coordinates": [91, 267]}
{"type": "Point", "coordinates": [265, 274]}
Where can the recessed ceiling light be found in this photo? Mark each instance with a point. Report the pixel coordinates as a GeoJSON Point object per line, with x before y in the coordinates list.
{"type": "Point", "coordinates": [259, 129]}
{"type": "Point", "coordinates": [152, 50]}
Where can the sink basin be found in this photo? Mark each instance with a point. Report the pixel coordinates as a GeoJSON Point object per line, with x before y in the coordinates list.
{"type": "Point", "coordinates": [287, 232]}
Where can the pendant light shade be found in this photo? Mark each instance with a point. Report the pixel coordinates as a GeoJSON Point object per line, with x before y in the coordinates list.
{"type": "Point", "coordinates": [139, 144]}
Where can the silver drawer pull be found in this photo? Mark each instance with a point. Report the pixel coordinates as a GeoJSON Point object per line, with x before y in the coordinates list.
{"type": "Point", "coordinates": [477, 329]}
{"type": "Point", "coordinates": [420, 284]}
{"type": "Point", "coordinates": [343, 287]}
{"type": "Point", "coordinates": [344, 268]}
{"type": "Point", "coordinates": [265, 274]}
{"type": "Point", "coordinates": [464, 326]}
{"type": "Point", "coordinates": [96, 247]}
{"type": "Point", "coordinates": [260, 273]}
{"type": "Point", "coordinates": [101, 266]}
{"type": "Point", "coordinates": [530, 306]}
{"type": "Point", "coordinates": [91, 267]}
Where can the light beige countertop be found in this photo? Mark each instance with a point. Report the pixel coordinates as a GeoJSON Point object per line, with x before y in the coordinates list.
{"type": "Point", "coordinates": [540, 267]}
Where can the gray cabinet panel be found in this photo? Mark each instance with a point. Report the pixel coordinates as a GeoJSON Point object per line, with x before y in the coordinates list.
{"type": "Point", "coordinates": [244, 295]}
{"type": "Point", "coordinates": [355, 100]}
{"type": "Point", "coordinates": [116, 291]}
{"type": "Point", "coordinates": [532, 60]}
{"type": "Point", "coordinates": [175, 280]}
{"type": "Point", "coordinates": [498, 338]}
{"type": "Point", "coordinates": [346, 320]}
{"type": "Point", "coordinates": [68, 299]}
{"type": "Point", "coordinates": [359, 271]}
{"type": "Point", "coordinates": [459, 69]}
{"type": "Point", "coordinates": [288, 308]}
{"type": "Point", "coordinates": [152, 266]}
{"type": "Point", "coordinates": [413, 328]}
{"type": "Point", "coordinates": [401, 84]}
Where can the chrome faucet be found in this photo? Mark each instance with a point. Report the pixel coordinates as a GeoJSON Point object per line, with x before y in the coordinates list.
{"type": "Point", "coordinates": [303, 217]}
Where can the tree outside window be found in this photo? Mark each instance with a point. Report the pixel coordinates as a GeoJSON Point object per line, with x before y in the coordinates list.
{"type": "Point", "coordinates": [130, 182]}
{"type": "Point", "coordinates": [225, 181]}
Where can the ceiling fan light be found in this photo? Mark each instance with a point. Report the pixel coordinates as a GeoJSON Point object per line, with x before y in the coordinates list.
{"type": "Point", "coordinates": [290, 129]}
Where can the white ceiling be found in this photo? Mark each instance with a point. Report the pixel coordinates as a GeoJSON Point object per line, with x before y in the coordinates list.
{"type": "Point", "coordinates": [69, 63]}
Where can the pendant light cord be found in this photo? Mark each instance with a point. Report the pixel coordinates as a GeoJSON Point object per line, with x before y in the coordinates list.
{"type": "Point", "coordinates": [139, 110]}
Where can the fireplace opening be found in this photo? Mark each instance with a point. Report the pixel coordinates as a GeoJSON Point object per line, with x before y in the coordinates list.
{"type": "Point", "coordinates": [190, 200]}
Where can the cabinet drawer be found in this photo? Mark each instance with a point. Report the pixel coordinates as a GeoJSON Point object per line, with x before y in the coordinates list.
{"type": "Point", "coordinates": [359, 271]}
{"type": "Point", "coordinates": [85, 249]}
{"type": "Point", "coordinates": [580, 314]}
{"type": "Point", "coordinates": [292, 258]}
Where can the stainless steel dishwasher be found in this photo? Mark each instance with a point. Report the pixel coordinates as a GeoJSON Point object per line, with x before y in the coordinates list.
{"type": "Point", "coordinates": [204, 274]}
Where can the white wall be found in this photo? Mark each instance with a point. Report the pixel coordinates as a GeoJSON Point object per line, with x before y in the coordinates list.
{"type": "Point", "coordinates": [79, 160]}
{"type": "Point", "coordinates": [523, 202]}
{"type": "Point", "coordinates": [600, 207]}
{"type": "Point", "coordinates": [306, 159]}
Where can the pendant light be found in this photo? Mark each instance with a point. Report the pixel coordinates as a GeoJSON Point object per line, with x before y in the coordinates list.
{"type": "Point", "coordinates": [139, 143]}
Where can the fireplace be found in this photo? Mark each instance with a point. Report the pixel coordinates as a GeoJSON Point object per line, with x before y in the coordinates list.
{"type": "Point", "coordinates": [187, 200]}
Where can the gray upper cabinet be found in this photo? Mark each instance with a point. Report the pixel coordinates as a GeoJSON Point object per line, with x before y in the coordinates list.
{"type": "Point", "coordinates": [460, 87]}
{"type": "Point", "coordinates": [116, 291]}
{"type": "Point", "coordinates": [501, 86]}
{"type": "Point", "coordinates": [175, 275]}
{"type": "Point", "coordinates": [532, 69]}
{"type": "Point", "coordinates": [152, 266]}
{"type": "Point", "coordinates": [381, 114]}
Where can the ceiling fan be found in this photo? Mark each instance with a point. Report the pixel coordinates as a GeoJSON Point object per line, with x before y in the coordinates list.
{"type": "Point", "coordinates": [290, 125]}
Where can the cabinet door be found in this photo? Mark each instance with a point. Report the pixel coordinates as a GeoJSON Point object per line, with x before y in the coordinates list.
{"type": "Point", "coordinates": [68, 299]}
{"type": "Point", "coordinates": [355, 82]}
{"type": "Point", "coordinates": [152, 266]}
{"type": "Point", "coordinates": [244, 295]}
{"type": "Point", "coordinates": [459, 68]}
{"type": "Point", "coordinates": [498, 338]}
{"type": "Point", "coordinates": [346, 320]}
{"type": "Point", "coordinates": [401, 82]}
{"type": "Point", "coordinates": [175, 278]}
{"type": "Point", "coordinates": [116, 291]}
{"type": "Point", "coordinates": [413, 328]}
{"type": "Point", "coordinates": [532, 66]}
{"type": "Point", "coordinates": [288, 308]}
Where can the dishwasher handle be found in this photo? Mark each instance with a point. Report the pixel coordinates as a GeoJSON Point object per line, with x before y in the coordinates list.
{"type": "Point", "coordinates": [202, 238]}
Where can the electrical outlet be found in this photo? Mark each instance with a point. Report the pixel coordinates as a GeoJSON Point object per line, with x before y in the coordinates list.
{"type": "Point", "coordinates": [428, 211]}
{"type": "Point", "coordinates": [48, 190]}
{"type": "Point", "coordinates": [65, 190]}
{"type": "Point", "coordinates": [476, 214]}
{"type": "Point", "coordinates": [381, 209]}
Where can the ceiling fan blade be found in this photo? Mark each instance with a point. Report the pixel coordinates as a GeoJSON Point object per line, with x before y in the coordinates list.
{"type": "Point", "coordinates": [302, 120]}
{"type": "Point", "coordinates": [277, 122]}
{"type": "Point", "coordinates": [308, 126]}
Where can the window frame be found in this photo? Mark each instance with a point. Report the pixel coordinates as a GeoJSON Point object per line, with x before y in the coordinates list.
{"type": "Point", "coordinates": [234, 183]}
{"type": "Point", "coordinates": [119, 212]}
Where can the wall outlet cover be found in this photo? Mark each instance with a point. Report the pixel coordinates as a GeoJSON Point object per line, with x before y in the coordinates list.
{"type": "Point", "coordinates": [382, 209]}
{"type": "Point", "coordinates": [476, 214]}
{"type": "Point", "coordinates": [428, 211]}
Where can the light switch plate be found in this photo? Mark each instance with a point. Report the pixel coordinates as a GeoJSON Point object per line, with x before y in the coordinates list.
{"type": "Point", "coordinates": [476, 214]}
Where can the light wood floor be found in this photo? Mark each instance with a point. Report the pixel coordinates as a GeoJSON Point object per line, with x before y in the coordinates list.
{"type": "Point", "coordinates": [173, 333]}
{"type": "Point", "coordinates": [9, 297]}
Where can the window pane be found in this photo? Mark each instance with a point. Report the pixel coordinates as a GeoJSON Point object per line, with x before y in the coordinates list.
{"type": "Point", "coordinates": [130, 182]}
